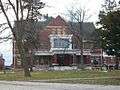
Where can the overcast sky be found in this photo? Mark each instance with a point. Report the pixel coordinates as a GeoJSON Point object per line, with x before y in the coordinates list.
{"type": "Point", "coordinates": [54, 8]}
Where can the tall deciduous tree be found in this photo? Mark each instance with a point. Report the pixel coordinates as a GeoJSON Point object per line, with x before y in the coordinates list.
{"type": "Point", "coordinates": [25, 13]}
{"type": "Point", "coordinates": [79, 16]}
{"type": "Point", "coordinates": [110, 29]}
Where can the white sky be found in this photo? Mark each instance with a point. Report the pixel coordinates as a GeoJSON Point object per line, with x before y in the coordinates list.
{"type": "Point", "coordinates": [60, 7]}
{"type": "Point", "coordinates": [54, 8]}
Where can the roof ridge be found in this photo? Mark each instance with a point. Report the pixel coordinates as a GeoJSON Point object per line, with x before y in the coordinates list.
{"type": "Point", "coordinates": [58, 21]}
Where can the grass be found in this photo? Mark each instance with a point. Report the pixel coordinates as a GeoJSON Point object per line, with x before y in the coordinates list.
{"type": "Point", "coordinates": [84, 77]}
{"type": "Point", "coordinates": [73, 74]}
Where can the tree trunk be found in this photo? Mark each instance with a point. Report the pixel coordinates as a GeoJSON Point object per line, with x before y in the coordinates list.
{"type": "Point", "coordinates": [23, 59]}
{"type": "Point", "coordinates": [26, 68]}
{"type": "Point", "coordinates": [81, 61]}
{"type": "Point", "coordinates": [21, 48]}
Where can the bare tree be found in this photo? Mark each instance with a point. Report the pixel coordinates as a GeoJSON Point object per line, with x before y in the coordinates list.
{"type": "Point", "coordinates": [3, 29]}
{"type": "Point", "coordinates": [78, 16]}
{"type": "Point", "coordinates": [25, 13]}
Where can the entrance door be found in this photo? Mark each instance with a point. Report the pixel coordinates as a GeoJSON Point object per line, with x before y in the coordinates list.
{"type": "Point", "coordinates": [64, 59]}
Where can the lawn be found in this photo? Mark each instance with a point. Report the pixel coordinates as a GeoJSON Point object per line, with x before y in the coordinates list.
{"type": "Point", "coordinates": [83, 76]}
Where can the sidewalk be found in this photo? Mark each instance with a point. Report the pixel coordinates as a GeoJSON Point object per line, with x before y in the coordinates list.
{"type": "Point", "coordinates": [22, 85]}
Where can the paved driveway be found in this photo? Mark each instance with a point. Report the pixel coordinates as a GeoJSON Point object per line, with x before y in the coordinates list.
{"type": "Point", "coordinates": [15, 85]}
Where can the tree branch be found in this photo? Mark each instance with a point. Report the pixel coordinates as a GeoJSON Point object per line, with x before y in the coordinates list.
{"type": "Point", "coordinates": [17, 9]}
{"type": "Point", "coordinates": [13, 7]}
{"type": "Point", "coordinates": [21, 7]}
{"type": "Point", "coordinates": [8, 21]}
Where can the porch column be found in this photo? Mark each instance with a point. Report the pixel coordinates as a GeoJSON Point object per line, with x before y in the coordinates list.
{"type": "Point", "coordinates": [54, 59]}
{"type": "Point", "coordinates": [74, 59]}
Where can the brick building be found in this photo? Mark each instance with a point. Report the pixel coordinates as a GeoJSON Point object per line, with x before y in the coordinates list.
{"type": "Point", "coordinates": [59, 45]}
{"type": "Point", "coordinates": [2, 62]}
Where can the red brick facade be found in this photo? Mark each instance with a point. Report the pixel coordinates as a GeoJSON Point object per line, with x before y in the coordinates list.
{"type": "Point", "coordinates": [59, 46]}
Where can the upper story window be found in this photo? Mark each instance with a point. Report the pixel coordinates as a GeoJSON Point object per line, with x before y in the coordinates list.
{"type": "Point", "coordinates": [61, 43]}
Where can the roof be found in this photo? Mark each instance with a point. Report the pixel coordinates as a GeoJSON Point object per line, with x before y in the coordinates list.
{"type": "Point", "coordinates": [58, 21]}
{"type": "Point", "coordinates": [87, 31]}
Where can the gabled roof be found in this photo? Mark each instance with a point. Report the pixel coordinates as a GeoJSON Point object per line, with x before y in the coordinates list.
{"type": "Point", "coordinates": [58, 21]}
{"type": "Point", "coordinates": [88, 29]}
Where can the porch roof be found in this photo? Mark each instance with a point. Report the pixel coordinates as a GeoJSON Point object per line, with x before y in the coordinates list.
{"type": "Point", "coordinates": [43, 53]}
{"type": "Point", "coordinates": [73, 51]}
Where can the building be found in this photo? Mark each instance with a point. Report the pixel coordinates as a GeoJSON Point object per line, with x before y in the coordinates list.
{"type": "Point", "coordinates": [59, 45]}
{"type": "Point", "coordinates": [2, 62]}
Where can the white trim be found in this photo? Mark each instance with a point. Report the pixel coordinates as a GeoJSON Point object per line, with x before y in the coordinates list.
{"type": "Point", "coordinates": [73, 51]}
{"type": "Point", "coordinates": [43, 53]}
{"type": "Point", "coordinates": [54, 36]}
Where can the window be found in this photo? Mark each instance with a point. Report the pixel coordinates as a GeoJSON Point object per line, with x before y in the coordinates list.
{"type": "Point", "coordinates": [61, 43]}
